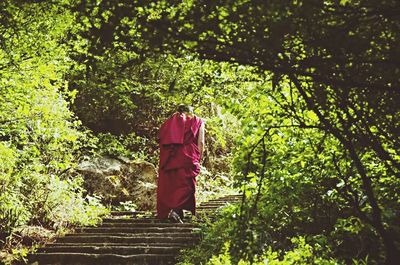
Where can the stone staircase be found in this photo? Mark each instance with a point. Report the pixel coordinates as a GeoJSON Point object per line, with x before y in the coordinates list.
{"type": "Point", "coordinates": [128, 238]}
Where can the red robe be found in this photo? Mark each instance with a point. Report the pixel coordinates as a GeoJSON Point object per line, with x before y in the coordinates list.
{"type": "Point", "coordinates": [179, 164]}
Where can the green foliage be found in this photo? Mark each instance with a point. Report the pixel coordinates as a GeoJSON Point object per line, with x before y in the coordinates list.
{"type": "Point", "coordinates": [130, 145]}
{"type": "Point", "coordinates": [330, 68]}
{"type": "Point", "coordinates": [214, 183]}
{"type": "Point", "coordinates": [126, 206]}
{"type": "Point", "coordinates": [68, 206]}
{"type": "Point", "coordinates": [301, 253]}
{"type": "Point", "coordinates": [134, 103]}
{"type": "Point", "coordinates": [295, 185]}
{"type": "Point", "coordinates": [214, 236]}
{"type": "Point", "coordinates": [39, 135]}
{"type": "Point", "coordinates": [298, 181]}
{"type": "Point", "coordinates": [216, 247]}
{"type": "Point", "coordinates": [302, 92]}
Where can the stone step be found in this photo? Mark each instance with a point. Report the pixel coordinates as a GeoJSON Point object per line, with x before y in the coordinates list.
{"type": "Point", "coordinates": [122, 234]}
{"type": "Point", "coordinates": [215, 203]}
{"type": "Point", "coordinates": [186, 219]}
{"type": "Point", "coordinates": [200, 208]}
{"type": "Point", "coordinates": [142, 220]}
{"type": "Point", "coordinates": [210, 207]}
{"type": "Point", "coordinates": [232, 198]}
{"type": "Point", "coordinates": [149, 234]}
{"type": "Point", "coordinates": [133, 213]}
{"type": "Point", "coordinates": [153, 229]}
{"type": "Point", "coordinates": [103, 244]}
{"type": "Point", "coordinates": [227, 197]}
{"type": "Point", "coordinates": [134, 223]}
{"type": "Point", "coordinates": [128, 239]}
{"type": "Point", "coordinates": [114, 259]}
{"type": "Point", "coordinates": [206, 208]}
{"type": "Point", "coordinates": [120, 250]}
{"type": "Point", "coordinates": [129, 225]}
{"type": "Point", "coordinates": [221, 202]}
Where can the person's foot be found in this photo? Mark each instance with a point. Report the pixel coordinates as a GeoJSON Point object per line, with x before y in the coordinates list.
{"type": "Point", "coordinates": [175, 217]}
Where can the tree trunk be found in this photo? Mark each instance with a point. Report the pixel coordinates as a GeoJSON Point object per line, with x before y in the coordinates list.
{"type": "Point", "coordinates": [391, 252]}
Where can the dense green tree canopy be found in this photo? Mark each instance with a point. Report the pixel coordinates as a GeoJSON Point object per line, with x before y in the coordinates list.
{"type": "Point", "coordinates": [39, 136]}
{"type": "Point", "coordinates": [339, 57]}
{"type": "Point", "coordinates": [304, 93]}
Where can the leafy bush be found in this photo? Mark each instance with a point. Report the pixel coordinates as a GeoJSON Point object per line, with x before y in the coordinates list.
{"type": "Point", "coordinates": [214, 235]}
{"type": "Point", "coordinates": [301, 253]}
{"type": "Point", "coordinates": [40, 139]}
{"type": "Point", "coordinates": [107, 144]}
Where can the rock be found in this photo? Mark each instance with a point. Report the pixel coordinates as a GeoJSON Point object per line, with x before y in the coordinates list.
{"type": "Point", "coordinates": [120, 179]}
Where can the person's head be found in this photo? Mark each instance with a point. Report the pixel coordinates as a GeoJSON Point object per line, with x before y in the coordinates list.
{"type": "Point", "coordinates": [187, 109]}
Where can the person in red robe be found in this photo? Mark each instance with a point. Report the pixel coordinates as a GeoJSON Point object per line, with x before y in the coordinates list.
{"type": "Point", "coordinates": [181, 147]}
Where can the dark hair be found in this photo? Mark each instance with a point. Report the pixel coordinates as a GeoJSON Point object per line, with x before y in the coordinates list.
{"type": "Point", "coordinates": [185, 108]}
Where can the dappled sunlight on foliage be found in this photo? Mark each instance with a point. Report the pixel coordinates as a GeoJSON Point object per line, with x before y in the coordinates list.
{"type": "Point", "coordinates": [39, 136]}
{"type": "Point", "coordinates": [300, 99]}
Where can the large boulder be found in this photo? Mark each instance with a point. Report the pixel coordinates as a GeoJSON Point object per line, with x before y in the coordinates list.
{"type": "Point", "coordinates": [119, 180]}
